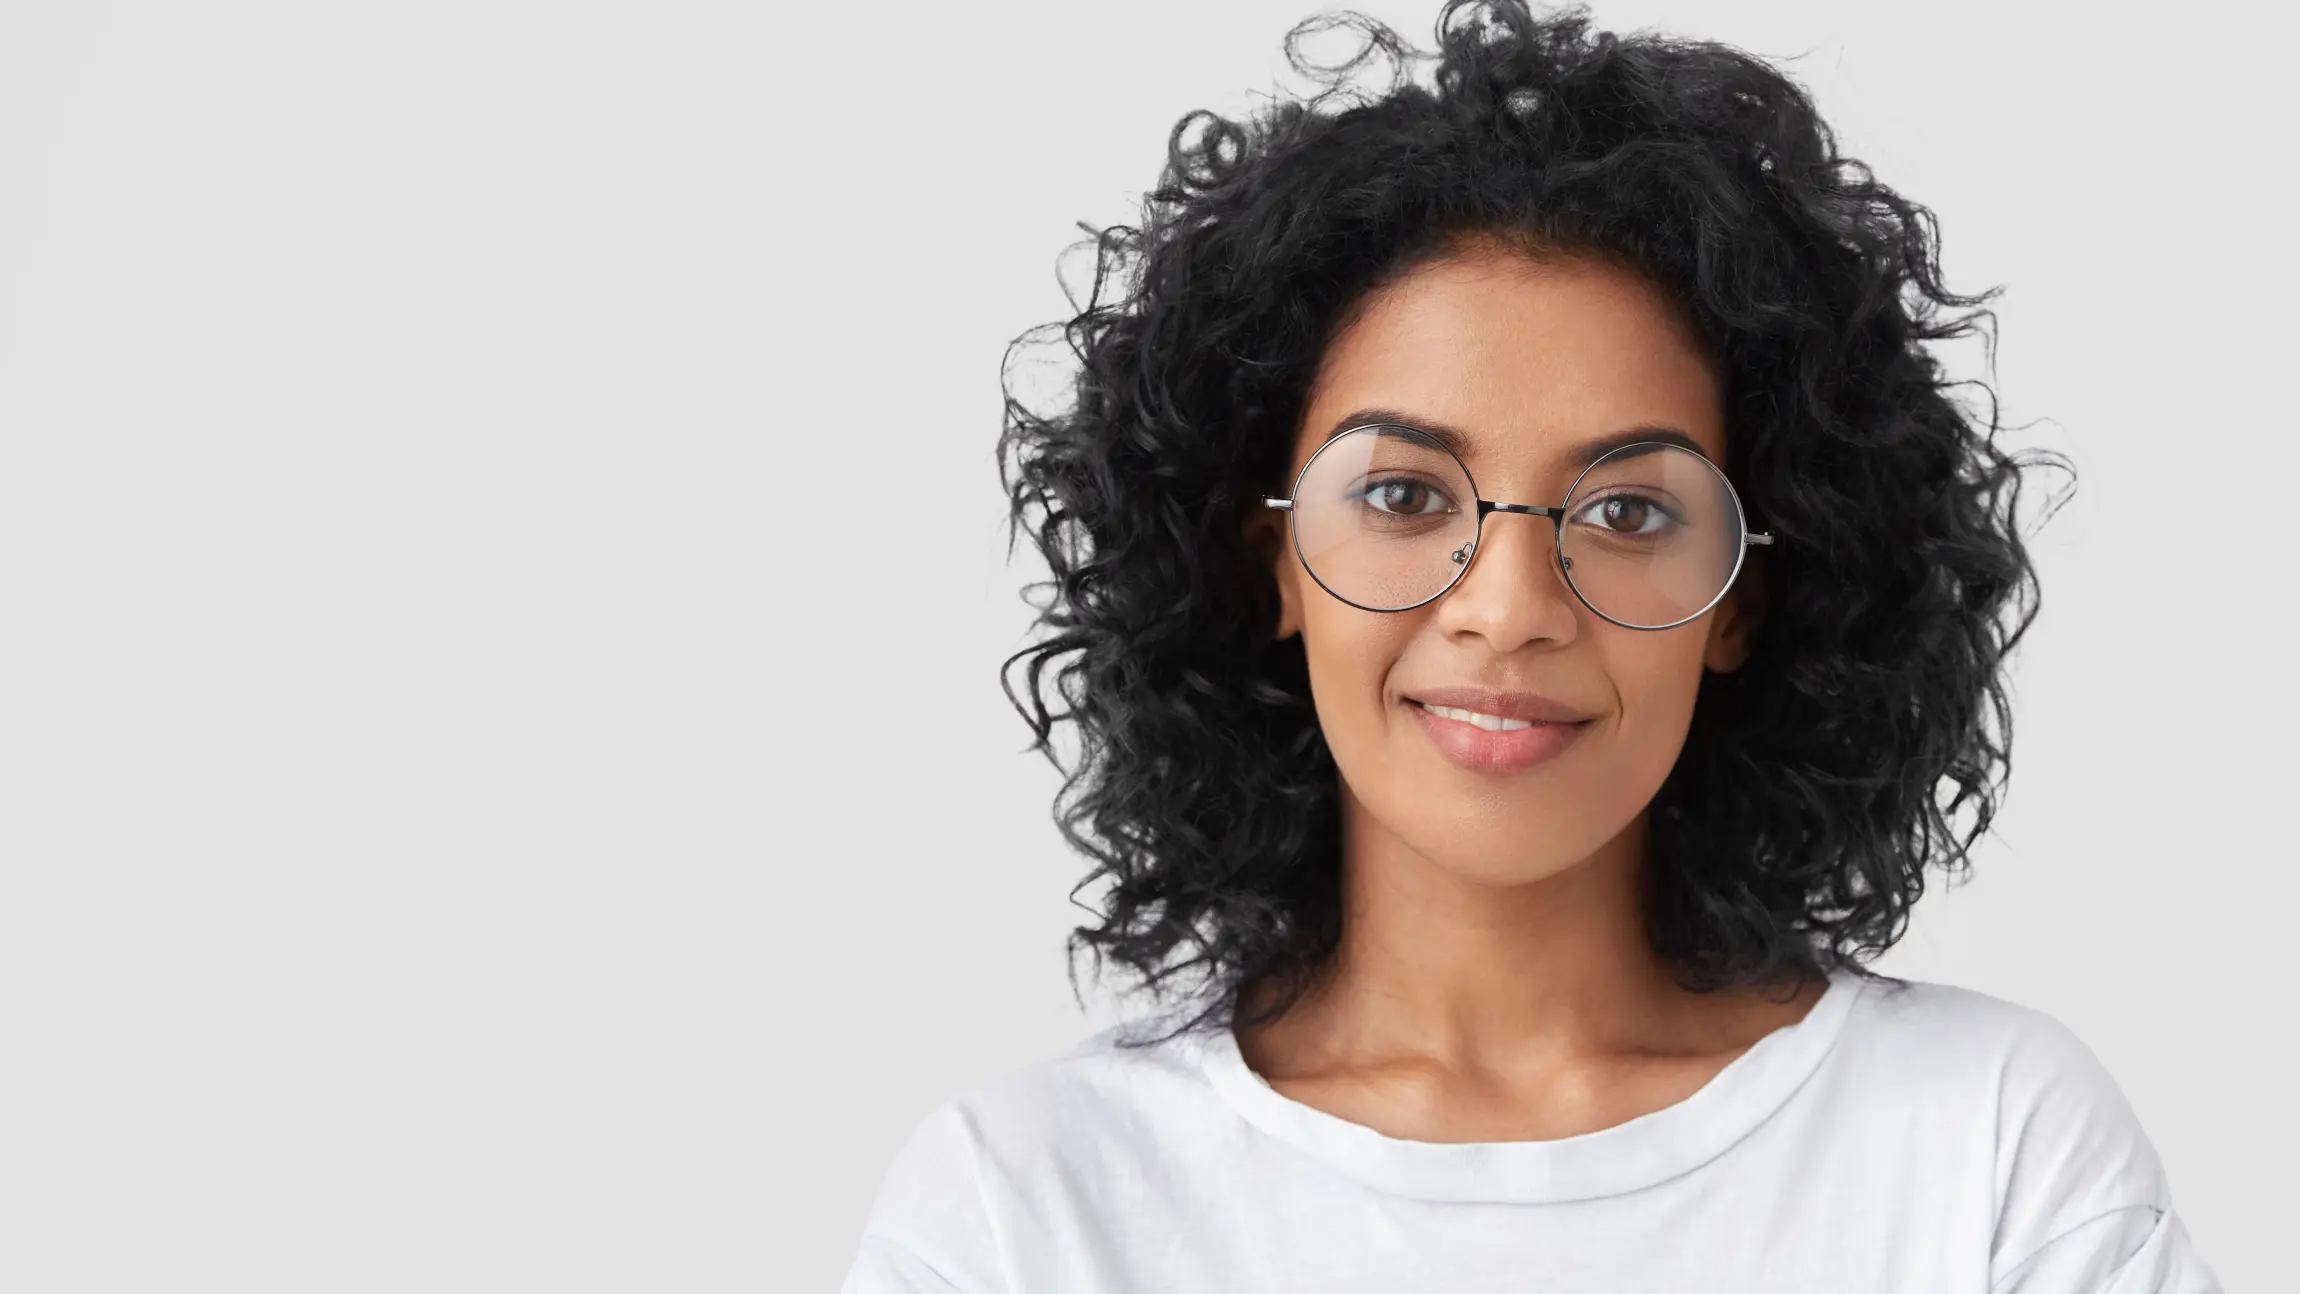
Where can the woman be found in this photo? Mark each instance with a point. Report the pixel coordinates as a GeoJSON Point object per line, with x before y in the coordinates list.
{"type": "Point", "coordinates": [1521, 585]}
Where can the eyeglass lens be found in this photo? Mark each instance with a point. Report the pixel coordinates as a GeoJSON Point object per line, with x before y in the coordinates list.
{"type": "Point", "coordinates": [1385, 520]}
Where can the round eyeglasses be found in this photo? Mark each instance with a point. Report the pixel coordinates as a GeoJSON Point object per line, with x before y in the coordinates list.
{"type": "Point", "coordinates": [1385, 518]}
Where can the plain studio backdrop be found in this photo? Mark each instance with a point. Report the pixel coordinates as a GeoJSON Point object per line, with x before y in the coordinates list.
{"type": "Point", "coordinates": [503, 781]}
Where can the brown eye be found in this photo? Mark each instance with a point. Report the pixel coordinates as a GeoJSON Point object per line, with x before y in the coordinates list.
{"type": "Point", "coordinates": [1628, 514]}
{"type": "Point", "coordinates": [1404, 496]}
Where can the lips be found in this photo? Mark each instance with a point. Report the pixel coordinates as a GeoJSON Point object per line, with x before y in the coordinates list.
{"type": "Point", "coordinates": [1531, 707]}
{"type": "Point", "coordinates": [1485, 748]}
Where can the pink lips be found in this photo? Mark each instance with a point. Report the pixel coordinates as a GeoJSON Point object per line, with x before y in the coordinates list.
{"type": "Point", "coordinates": [1480, 750]}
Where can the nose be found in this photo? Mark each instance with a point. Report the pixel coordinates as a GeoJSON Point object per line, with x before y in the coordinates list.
{"type": "Point", "coordinates": [1513, 592]}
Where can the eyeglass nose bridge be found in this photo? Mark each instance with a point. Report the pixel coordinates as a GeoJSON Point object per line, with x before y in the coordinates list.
{"type": "Point", "coordinates": [1462, 554]}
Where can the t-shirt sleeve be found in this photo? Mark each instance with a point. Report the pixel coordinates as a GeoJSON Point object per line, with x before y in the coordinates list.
{"type": "Point", "coordinates": [2136, 1250]}
{"type": "Point", "coordinates": [2083, 1201]}
{"type": "Point", "coordinates": [928, 1231]}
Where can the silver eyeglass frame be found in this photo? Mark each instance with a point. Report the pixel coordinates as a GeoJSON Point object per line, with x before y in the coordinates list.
{"type": "Point", "coordinates": [1556, 515]}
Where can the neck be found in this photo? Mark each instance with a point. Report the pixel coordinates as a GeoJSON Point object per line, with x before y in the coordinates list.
{"type": "Point", "coordinates": [1472, 974]}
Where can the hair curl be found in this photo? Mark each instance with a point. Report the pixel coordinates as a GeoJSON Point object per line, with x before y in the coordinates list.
{"type": "Point", "coordinates": [1793, 833]}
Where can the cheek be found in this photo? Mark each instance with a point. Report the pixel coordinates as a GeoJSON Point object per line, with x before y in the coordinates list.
{"type": "Point", "coordinates": [1656, 678]}
{"type": "Point", "coordinates": [1350, 653]}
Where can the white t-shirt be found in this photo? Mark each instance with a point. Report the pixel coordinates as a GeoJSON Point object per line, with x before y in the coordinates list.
{"type": "Point", "coordinates": [1928, 1138]}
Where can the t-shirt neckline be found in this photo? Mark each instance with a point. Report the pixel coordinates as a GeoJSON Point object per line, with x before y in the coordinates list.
{"type": "Point", "coordinates": [1644, 1151]}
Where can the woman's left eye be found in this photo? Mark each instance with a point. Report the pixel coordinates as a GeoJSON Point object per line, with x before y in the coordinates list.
{"type": "Point", "coordinates": [1628, 514]}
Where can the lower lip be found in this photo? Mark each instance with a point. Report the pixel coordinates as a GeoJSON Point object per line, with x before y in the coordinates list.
{"type": "Point", "coordinates": [1481, 751]}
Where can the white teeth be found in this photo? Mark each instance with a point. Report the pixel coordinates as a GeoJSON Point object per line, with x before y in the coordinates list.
{"type": "Point", "coordinates": [1489, 722]}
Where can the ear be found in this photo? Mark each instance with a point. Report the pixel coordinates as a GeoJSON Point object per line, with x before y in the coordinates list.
{"type": "Point", "coordinates": [1734, 625]}
{"type": "Point", "coordinates": [1266, 538]}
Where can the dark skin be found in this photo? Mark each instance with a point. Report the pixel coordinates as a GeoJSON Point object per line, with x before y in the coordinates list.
{"type": "Point", "coordinates": [1495, 982]}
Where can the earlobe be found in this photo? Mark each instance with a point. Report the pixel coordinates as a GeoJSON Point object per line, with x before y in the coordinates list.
{"type": "Point", "coordinates": [1268, 542]}
{"type": "Point", "coordinates": [1289, 604]}
{"type": "Point", "coordinates": [1734, 632]}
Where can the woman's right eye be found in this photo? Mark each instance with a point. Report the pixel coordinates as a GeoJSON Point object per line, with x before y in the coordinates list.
{"type": "Point", "coordinates": [1406, 497]}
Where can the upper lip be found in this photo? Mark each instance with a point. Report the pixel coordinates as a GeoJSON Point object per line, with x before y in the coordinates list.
{"type": "Point", "coordinates": [1530, 706]}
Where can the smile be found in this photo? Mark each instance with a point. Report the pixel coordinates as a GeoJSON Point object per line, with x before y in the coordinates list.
{"type": "Point", "coordinates": [1491, 743]}
{"type": "Point", "coordinates": [1489, 722]}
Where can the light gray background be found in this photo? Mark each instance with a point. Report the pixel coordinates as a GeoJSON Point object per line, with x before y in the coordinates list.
{"type": "Point", "coordinates": [503, 783]}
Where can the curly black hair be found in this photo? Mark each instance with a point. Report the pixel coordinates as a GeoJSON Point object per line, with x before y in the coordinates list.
{"type": "Point", "coordinates": [1817, 782]}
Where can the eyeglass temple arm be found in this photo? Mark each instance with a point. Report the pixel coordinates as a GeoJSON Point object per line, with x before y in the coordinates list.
{"type": "Point", "coordinates": [1286, 504]}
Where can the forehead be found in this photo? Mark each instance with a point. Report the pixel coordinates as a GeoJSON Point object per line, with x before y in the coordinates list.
{"type": "Point", "coordinates": [1531, 362]}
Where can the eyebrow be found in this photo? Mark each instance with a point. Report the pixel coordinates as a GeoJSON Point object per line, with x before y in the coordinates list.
{"type": "Point", "coordinates": [1457, 442]}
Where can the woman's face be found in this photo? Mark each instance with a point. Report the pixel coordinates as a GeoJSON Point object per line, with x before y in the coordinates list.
{"type": "Point", "coordinates": [1527, 362]}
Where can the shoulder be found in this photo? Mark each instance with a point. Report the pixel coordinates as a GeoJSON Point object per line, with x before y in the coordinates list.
{"type": "Point", "coordinates": [974, 1160]}
{"type": "Point", "coordinates": [2070, 1158]}
{"type": "Point", "coordinates": [1109, 1088]}
{"type": "Point", "coordinates": [2024, 1060]}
